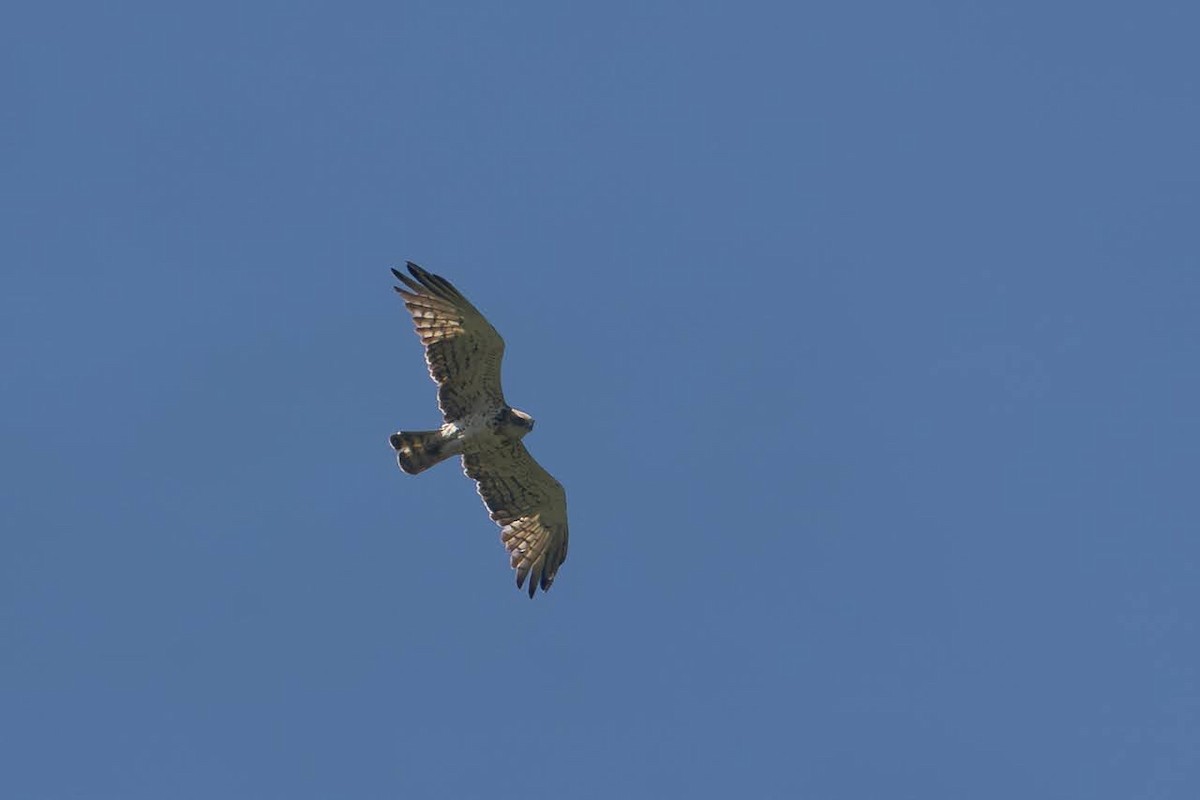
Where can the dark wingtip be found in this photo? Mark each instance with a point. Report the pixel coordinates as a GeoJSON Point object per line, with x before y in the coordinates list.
{"type": "Point", "coordinates": [521, 575]}
{"type": "Point", "coordinates": [407, 281]}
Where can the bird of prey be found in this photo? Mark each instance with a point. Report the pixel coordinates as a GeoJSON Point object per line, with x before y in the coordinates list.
{"type": "Point", "coordinates": [463, 352]}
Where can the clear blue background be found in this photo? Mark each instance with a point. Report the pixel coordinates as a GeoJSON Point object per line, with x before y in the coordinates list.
{"type": "Point", "coordinates": [863, 335]}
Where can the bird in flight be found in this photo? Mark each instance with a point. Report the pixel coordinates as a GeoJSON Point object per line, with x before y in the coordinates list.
{"type": "Point", "coordinates": [463, 352]}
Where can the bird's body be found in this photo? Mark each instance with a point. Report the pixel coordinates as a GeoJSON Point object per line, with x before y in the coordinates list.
{"type": "Point", "coordinates": [463, 352]}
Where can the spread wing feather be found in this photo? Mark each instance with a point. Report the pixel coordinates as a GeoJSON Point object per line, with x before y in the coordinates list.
{"type": "Point", "coordinates": [462, 348]}
{"type": "Point", "coordinates": [528, 504]}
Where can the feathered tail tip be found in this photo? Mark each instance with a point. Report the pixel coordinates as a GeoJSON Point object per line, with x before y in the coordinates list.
{"type": "Point", "coordinates": [417, 451]}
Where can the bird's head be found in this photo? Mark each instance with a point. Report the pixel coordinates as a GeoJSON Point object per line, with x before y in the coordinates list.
{"type": "Point", "coordinates": [516, 423]}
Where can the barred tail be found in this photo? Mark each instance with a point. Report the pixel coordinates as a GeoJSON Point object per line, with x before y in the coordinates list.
{"type": "Point", "coordinates": [417, 451]}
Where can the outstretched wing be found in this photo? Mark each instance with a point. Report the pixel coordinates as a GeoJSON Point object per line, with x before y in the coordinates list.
{"type": "Point", "coordinates": [462, 348]}
{"type": "Point", "coordinates": [528, 504]}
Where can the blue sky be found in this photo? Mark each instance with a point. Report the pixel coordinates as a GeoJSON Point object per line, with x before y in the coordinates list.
{"type": "Point", "coordinates": [863, 336]}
